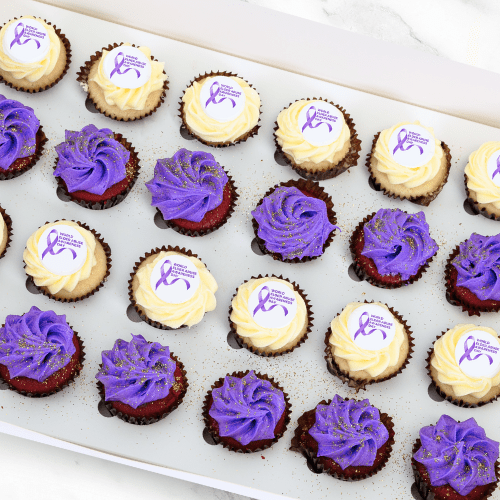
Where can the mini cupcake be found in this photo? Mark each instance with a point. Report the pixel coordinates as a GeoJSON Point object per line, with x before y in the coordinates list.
{"type": "Point", "coordinates": [246, 412]}
{"type": "Point", "coordinates": [464, 365]}
{"type": "Point", "coordinates": [34, 55]}
{"type": "Point", "coordinates": [409, 163]}
{"type": "Point", "coordinates": [141, 382]}
{"type": "Point", "coordinates": [348, 439]}
{"type": "Point", "coordinates": [40, 354]}
{"type": "Point", "coordinates": [5, 232]}
{"type": "Point", "coordinates": [192, 192]}
{"type": "Point", "coordinates": [482, 180]}
{"type": "Point", "coordinates": [270, 316]}
{"type": "Point", "coordinates": [455, 460]}
{"type": "Point", "coordinates": [317, 138]}
{"type": "Point", "coordinates": [96, 168]}
{"type": "Point", "coordinates": [171, 288]}
{"type": "Point", "coordinates": [472, 275]}
{"type": "Point", "coordinates": [21, 138]}
{"type": "Point", "coordinates": [391, 248]}
{"type": "Point", "coordinates": [67, 260]}
{"type": "Point", "coordinates": [367, 343]}
{"type": "Point", "coordinates": [220, 109]}
{"type": "Point", "coordinates": [124, 81]}
{"type": "Point", "coordinates": [295, 221]}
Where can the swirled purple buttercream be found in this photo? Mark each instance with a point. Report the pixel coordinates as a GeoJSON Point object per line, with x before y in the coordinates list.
{"type": "Point", "coordinates": [36, 344]}
{"type": "Point", "coordinates": [458, 454]}
{"type": "Point", "coordinates": [293, 224]}
{"type": "Point", "coordinates": [247, 409]}
{"type": "Point", "coordinates": [18, 128]}
{"type": "Point", "coordinates": [137, 372]}
{"type": "Point", "coordinates": [91, 160]}
{"type": "Point", "coordinates": [349, 432]}
{"type": "Point", "coordinates": [188, 185]}
{"type": "Point", "coordinates": [478, 266]}
{"type": "Point", "coordinates": [398, 243]}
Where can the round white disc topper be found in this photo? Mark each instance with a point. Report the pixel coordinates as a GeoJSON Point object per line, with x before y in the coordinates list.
{"type": "Point", "coordinates": [371, 327]}
{"type": "Point", "coordinates": [222, 98]}
{"type": "Point", "coordinates": [127, 67]}
{"type": "Point", "coordinates": [412, 145]}
{"type": "Point", "coordinates": [320, 123]}
{"type": "Point", "coordinates": [478, 354]}
{"type": "Point", "coordinates": [26, 41]}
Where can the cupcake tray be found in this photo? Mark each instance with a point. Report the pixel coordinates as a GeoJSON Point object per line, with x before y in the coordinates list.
{"type": "Point", "coordinates": [175, 446]}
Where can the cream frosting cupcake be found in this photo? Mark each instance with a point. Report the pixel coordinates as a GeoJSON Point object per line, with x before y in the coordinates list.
{"type": "Point", "coordinates": [171, 288]}
{"type": "Point", "coordinates": [367, 343]}
{"type": "Point", "coordinates": [408, 162]}
{"type": "Point", "coordinates": [220, 109]}
{"type": "Point", "coordinates": [464, 365]}
{"type": "Point", "coordinates": [270, 316]}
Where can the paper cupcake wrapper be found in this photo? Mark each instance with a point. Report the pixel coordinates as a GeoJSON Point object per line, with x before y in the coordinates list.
{"type": "Point", "coordinates": [8, 226]}
{"type": "Point", "coordinates": [423, 200]}
{"type": "Point", "coordinates": [67, 46]}
{"type": "Point", "coordinates": [242, 342]}
{"type": "Point", "coordinates": [185, 126]}
{"type": "Point", "coordinates": [349, 160]}
{"type": "Point", "coordinates": [319, 192]}
{"type": "Point", "coordinates": [83, 77]}
{"type": "Point", "coordinates": [203, 232]}
{"type": "Point", "coordinates": [361, 273]}
{"type": "Point", "coordinates": [358, 384]}
{"type": "Point", "coordinates": [71, 380]}
{"type": "Point", "coordinates": [114, 200]}
{"type": "Point", "coordinates": [144, 420]}
{"type": "Point", "coordinates": [474, 205]}
{"type": "Point", "coordinates": [428, 492]}
{"type": "Point", "coordinates": [107, 251]}
{"type": "Point", "coordinates": [6, 175]}
{"type": "Point", "coordinates": [318, 463]}
{"type": "Point", "coordinates": [219, 439]}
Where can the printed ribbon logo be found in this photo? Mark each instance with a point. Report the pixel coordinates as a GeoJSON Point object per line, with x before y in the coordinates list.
{"type": "Point", "coordinates": [262, 302]}
{"type": "Point", "coordinates": [164, 275]}
{"type": "Point", "coordinates": [119, 63]}
{"type": "Point", "coordinates": [402, 140]}
{"type": "Point", "coordinates": [469, 350]}
{"type": "Point", "coordinates": [497, 171]}
{"type": "Point", "coordinates": [363, 324]}
{"type": "Point", "coordinates": [310, 119]}
{"type": "Point", "coordinates": [213, 95]}
{"type": "Point", "coordinates": [51, 243]}
{"type": "Point", "coordinates": [18, 34]}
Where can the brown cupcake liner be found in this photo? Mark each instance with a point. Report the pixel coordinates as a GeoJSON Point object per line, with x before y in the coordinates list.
{"type": "Point", "coordinates": [185, 126]}
{"type": "Point", "coordinates": [474, 205]}
{"type": "Point", "coordinates": [114, 200]}
{"type": "Point", "coordinates": [144, 420]}
{"type": "Point", "coordinates": [83, 77]}
{"type": "Point", "coordinates": [107, 251]}
{"type": "Point", "coordinates": [8, 226]}
{"type": "Point", "coordinates": [358, 384]}
{"type": "Point", "coordinates": [71, 380]}
{"type": "Point", "coordinates": [427, 492]}
{"type": "Point", "coordinates": [317, 463]}
{"type": "Point", "coordinates": [319, 192]}
{"type": "Point", "coordinates": [361, 273]}
{"type": "Point", "coordinates": [218, 439]}
{"type": "Point", "coordinates": [349, 160]}
{"type": "Point", "coordinates": [241, 341]}
{"type": "Point", "coordinates": [423, 200]}
{"type": "Point", "coordinates": [6, 175]}
{"type": "Point", "coordinates": [67, 46]}
{"type": "Point", "coordinates": [203, 232]}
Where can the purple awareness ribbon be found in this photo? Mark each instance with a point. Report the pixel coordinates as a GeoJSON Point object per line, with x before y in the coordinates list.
{"type": "Point", "coordinates": [52, 243]}
{"type": "Point", "coordinates": [165, 275]}
{"type": "Point", "coordinates": [213, 95]}
{"type": "Point", "coordinates": [402, 140]}
{"type": "Point", "coordinates": [497, 171]}
{"type": "Point", "coordinates": [119, 64]}
{"type": "Point", "coordinates": [310, 119]}
{"type": "Point", "coordinates": [263, 300]}
{"type": "Point", "coordinates": [469, 350]}
{"type": "Point", "coordinates": [364, 324]}
{"type": "Point", "coordinates": [18, 35]}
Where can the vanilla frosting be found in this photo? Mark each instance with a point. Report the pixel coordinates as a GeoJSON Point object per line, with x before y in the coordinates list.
{"type": "Point", "coordinates": [358, 359]}
{"type": "Point", "coordinates": [54, 282]}
{"type": "Point", "coordinates": [187, 313]}
{"type": "Point", "coordinates": [36, 70]}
